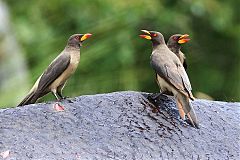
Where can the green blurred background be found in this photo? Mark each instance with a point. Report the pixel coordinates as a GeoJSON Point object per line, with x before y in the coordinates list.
{"type": "Point", "coordinates": [115, 58]}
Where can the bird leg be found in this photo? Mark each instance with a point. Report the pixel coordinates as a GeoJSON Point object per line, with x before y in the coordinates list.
{"type": "Point", "coordinates": [54, 92]}
{"type": "Point", "coordinates": [59, 92]}
{"type": "Point", "coordinates": [61, 96]}
{"type": "Point", "coordinates": [57, 106]}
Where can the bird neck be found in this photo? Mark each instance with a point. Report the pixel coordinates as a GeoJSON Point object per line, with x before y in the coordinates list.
{"type": "Point", "coordinates": [72, 47]}
{"type": "Point", "coordinates": [175, 48]}
{"type": "Point", "coordinates": [156, 44]}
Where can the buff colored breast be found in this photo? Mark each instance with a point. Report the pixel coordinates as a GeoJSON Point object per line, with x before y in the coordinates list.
{"type": "Point", "coordinates": [165, 86]}
{"type": "Point", "coordinates": [75, 58]}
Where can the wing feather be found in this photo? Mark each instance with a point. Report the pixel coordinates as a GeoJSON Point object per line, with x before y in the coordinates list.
{"type": "Point", "coordinates": [54, 70]}
{"type": "Point", "coordinates": [172, 73]}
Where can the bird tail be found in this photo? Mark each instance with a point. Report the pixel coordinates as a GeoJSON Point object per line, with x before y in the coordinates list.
{"type": "Point", "coordinates": [185, 108]}
{"type": "Point", "coordinates": [29, 99]}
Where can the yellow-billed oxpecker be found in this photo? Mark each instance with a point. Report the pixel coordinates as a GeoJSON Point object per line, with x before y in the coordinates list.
{"type": "Point", "coordinates": [171, 75]}
{"type": "Point", "coordinates": [54, 78]}
{"type": "Point", "coordinates": [175, 43]}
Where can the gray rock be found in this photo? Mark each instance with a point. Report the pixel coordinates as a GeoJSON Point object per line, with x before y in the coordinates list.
{"type": "Point", "coordinates": [121, 125]}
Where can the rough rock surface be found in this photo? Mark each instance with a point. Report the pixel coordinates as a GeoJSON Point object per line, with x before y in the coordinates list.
{"type": "Point", "coordinates": [121, 125]}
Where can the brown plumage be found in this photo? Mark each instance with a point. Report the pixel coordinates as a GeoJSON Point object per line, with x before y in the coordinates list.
{"type": "Point", "coordinates": [61, 68]}
{"type": "Point", "coordinates": [171, 75]}
{"type": "Point", "coordinates": [175, 43]}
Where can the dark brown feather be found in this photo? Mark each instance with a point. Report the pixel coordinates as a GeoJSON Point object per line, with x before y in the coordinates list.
{"type": "Point", "coordinates": [55, 69]}
{"type": "Point", "coordinates": [29, 99]}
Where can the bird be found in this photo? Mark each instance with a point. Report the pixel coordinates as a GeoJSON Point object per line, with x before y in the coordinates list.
{"type": "Point", "coordinates": [175, 43]}
{"type": "Point", "coordinates": [55, 76]}
{"type": "Point", "coordinates": [171, 75]}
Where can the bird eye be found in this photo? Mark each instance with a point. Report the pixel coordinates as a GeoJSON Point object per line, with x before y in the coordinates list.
{"type": "Point", "coordinates": [154, 35]}
{"type": "Point", "coordinates": [77, 37]}
{"type": "Point", "coordinates": [175, 38]}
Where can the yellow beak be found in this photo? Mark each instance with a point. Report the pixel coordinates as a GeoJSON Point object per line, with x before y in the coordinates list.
{"type": "Point", "coordinates": [148, 37]}
{"type": "Point", "coordinates": [145, 31]}
{"type": "Point", "coordinates": [85, 36]}
{"type": "Point", "coordinates": [183, 39]}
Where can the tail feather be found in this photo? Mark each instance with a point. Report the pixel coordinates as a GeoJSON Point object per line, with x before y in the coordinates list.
{"type": "Point", "coordinates": [184, 104]}
{"type": "Point", "coordinates": [29, 99]}
{"type": "Point", "coordinates": [180, 109]}
{"type": "Point", "coordinates": [193, 119]}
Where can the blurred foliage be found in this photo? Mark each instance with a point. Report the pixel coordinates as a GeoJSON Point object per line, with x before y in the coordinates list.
{"type": "Point", "coordinates": [115, 58]}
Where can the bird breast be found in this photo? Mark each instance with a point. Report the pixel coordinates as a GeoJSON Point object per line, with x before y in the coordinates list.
{"type": "Point", "coordinates": [74, 61]}
{"type": "Point", "coordinates": [165, 85]}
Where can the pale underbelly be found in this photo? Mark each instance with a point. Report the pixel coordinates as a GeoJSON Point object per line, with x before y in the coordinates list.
{"type": "Point", "coordinates": [164, 86]}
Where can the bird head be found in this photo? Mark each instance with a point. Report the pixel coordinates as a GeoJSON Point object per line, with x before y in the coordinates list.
{"type": "Point", "coordinates": [76, 40]}
{"type": "Point", "coordinates": [155, 37]}
{"type": "Point", "coordinates": [179, 39]}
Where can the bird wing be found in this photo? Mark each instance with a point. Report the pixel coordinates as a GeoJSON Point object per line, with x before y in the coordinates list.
{"type": "Point", "coordinates": [54, 70]}
{"type": "Point", "coordinates": [185, 79]}
{"type": "Point", "coordinates": [174, 74]}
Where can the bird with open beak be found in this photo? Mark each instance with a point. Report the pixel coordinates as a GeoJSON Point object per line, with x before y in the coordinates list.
{"type": "Point", "coordinates": [54, 78]}
{"type": "Point", "coordinates": [171, 75]}
{"type": "Point", "coordinates": [175, 43]}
